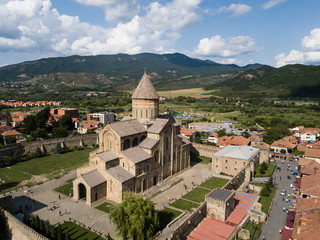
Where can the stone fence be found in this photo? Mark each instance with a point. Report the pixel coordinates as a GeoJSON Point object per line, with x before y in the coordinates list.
{"type": "Point", "coordinates": [236, 181]}
{"type": "Point", "coordinates": [18, 230]}
{"type": "Point", "coordinates": [204, 150]}
{"type": "Point", "coordinates": [48, 144]}
{"type": "Point", "coordinates": [186, 227]}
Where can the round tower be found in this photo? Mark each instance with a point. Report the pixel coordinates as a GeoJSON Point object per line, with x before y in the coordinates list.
{"type": "Point", "coordinates": [145, 100]}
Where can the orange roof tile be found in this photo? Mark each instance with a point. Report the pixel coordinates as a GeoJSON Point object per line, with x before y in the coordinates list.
{"type": "Point", "coordinates": [233, 140]}
{"type": "Point", "coordinates": [312, 153]}
{"type": "Point", "coordinates": [305, 204]}
{"type": "Point", "coordinates": [308, 185]}
{"type": "Point", "coordinates": [187, 132]}
{"type": "Point", "coordinates": [284, 144]}
{"type": "Point", "coordinates": [214, 135]}
{"type": "Point", "coordinates": [310, 168]}
{"type": "Point", "coordinates": [307, 225]}
{"type": "Point", "coordinates": [10, 133]}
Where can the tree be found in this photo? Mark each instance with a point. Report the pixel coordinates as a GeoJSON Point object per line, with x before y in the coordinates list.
{"type": "Point", "coordinates": [264, 192]}
{"type": "Point", "coordinates": [59, 232]}
{"type": "Point", "coordinates": [66, 122]}
{"type": "Point", "coordinates": [41, 228]}
{"type": "Point", "coordinates": [135, 217]}
{"type": "Point", "coordinates": [263, 167]}
{"type": "Point", "coordinates": [47, 227]}
{"type": "Point", "coordinates": [8, 118]}
{"type": "Point", "coordinates": [38, 153]}
{"type": "Point", "coordinates": [222, 132]}
{"type": "Point", "coordinates": [37, 222]}
{"type": "Point", "coordinates": [17, 155]}
{"type": "Point", "coordinates": [57, 148]}
{"type": "Point", "coordinates": [53, 233]}
{"type": "Point", "coordinates": [3, 225]}
{"type": "Point", "coordinates": [60, 132]}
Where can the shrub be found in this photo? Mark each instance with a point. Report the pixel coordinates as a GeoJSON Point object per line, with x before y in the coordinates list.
{"type": "Point", "coordinates": [38, 152]}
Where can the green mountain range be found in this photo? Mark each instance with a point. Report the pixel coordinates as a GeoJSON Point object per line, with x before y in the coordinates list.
{"type": "Point", "coordinates": [122, 71]}
{"type": "Point", "coordinates": [290, 81]}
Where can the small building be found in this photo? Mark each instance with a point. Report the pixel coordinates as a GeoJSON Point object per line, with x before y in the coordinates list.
{"type": "Point", "coordinates": [231, 159]}
{"type": "Point", "coordinates": [283, 146]}
{"type": "Point", "coordinates": [103, 117]}
{"type": "Point", "coordinates": [188, 133]}
{"type": "Point", "coordinates": [306, 134]}
{"type": "Point", "coordinates": [220, 204]}
{"type": "Point", "coordinates": [232, 140]}
{"type": "Point", "coordinates": [59, 112]}
{"type": "Point", "coordinates": [84, 126]}
{"type": "Point", "coordinates": [213, 138]}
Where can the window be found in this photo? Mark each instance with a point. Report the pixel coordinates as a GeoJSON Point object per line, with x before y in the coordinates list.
{"type": "Point", "coordinates": [226, 161]}
{"type": "Point", "coordinates": [244, 164]}
{"type": "Point", "coordinates": [135, 142]}
{"type": "Point", "coordinates": [123, 164]}
{"type": "Point", "coordinates": [142, 138]}
{"type": "Point", "coordinates": [235, 162]}
{"type": "Point", "coordinates": [226, 167]}
{"type": "Point", "coordinates": [156, 156]}
{"type": "Point", "coordinates": [126, 144]}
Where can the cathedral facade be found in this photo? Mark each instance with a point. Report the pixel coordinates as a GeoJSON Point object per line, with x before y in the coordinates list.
{"type": "Point", "coordinates": [134, 154]}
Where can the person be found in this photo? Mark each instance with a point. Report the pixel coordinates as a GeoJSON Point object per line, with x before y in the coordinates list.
{"type": "Point", "coordinates": [263, 237]}
{"type": "Point", "coordinates": [280, 177]}
{"type": "Point", "coordinates": [59, 197]}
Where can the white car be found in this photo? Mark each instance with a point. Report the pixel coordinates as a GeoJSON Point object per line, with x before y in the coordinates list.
{"type": "Point", "coordinates": [283, 192]}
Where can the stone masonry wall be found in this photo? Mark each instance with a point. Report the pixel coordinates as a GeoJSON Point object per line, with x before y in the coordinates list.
{"type": "Point", "coordinates": [236, 181]}
{"type": "Point", "coordinates": [19, 231]}
{"type": "Point", "coordinates": [8, 150]}
{"type": "Point", "coordinates": [204, 150]}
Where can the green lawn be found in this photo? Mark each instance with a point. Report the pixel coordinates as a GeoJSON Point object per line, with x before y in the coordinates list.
{"type": "Point", "coordinates": [199, 159]}
{"type": "Point", "coordinates": [214, 182]}
{"type": "Point", "coordinates": [184, 205]}
{"type": "Point", "coordinates": [197, 195]}
{"type": "Point", "coordinates": [49, 166]}
{"type": "Point", "coordinates": [268, 173]}
{"type": "Point", "coordinates": [79, 233]}
{"type": "Point", "coordinates": [166, 216]}
{"type": "Point", "coordinates": [105, 207]}
{"type": "Point", "coordinates": [266, 201]}
{"type": "Point", "coordinates": [66, 189]}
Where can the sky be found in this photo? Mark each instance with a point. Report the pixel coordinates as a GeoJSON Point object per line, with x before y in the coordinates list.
{"type": "Point", "coordinates": [273, 32]}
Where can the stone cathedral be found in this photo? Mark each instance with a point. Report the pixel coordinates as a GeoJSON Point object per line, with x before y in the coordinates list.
{"type": "Point", "coordinates": [134, 154]}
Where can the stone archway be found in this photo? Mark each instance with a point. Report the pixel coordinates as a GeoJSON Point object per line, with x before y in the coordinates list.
{"type": "Point", "coordinates": [82, 191]}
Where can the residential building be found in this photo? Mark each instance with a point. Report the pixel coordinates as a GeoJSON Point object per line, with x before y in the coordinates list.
{"type": "Point", "coordinates": [103, 117]}
{"type": "Point", "coordinates": [232, 140]}
{"type": "Point", "coordinates": [190, 134]}
{"type": "Point", "coordinates": [213, 138]}
{"type": "Point", "coordinates": [84, 126]}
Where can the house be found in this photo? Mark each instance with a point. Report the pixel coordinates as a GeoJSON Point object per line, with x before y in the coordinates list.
{"type": "Point", "coordinates": [190, 134]}
{"type": "Point", "coordinates": [11, 133]}
{"type": "Point", "coordinates": [213, 138]}
{"type": "Point", "coordinates": [103, 117]}
{"type": "Point", "coordinates": [307, 134]}
{"type": "Point", "coordinates": [231, 159]}
{"type": "Point", "coordinates": [284, 146]}
{"type": "Point", "coordinates": [312, 153]}
{"type": "Point", "coordinates": [134, 154]}
{"type": "Point", "coordinates": [59, 112]}
{"type": "Point", "coordinates": [88, 125]}
{"type": "Point", "coordinates": [232, 140]}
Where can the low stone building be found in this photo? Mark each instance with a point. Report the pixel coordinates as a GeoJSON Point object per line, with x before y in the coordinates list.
{"type": "Point", "coordinates": [220, 204]}
{"type": "Point", "coordinates": [134, 154]}
{"type": "Point", "coordinates": [231, 159]}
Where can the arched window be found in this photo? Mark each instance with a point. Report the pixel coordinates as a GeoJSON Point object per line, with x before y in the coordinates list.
{"type": "Point", "coordinates": [126, 144]}
{"type": "Point", "coordinates": [142, 138]}
{"type": "Point", "coordinates": [135, 142]}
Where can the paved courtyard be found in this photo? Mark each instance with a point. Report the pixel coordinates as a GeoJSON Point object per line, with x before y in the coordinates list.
{"type": "Point", "coordinates": [45, 198]}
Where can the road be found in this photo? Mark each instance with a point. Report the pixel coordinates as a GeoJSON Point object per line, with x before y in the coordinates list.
{"type": "Point", "coordinates": [277, 217]}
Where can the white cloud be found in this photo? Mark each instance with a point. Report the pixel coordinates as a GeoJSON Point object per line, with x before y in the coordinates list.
{"type": "Point", "coordinates": [309, 55]}
{"type": "Point", "coordinates": [42, 29]}
{"type": "Point", "coordinates": [217, 46]}
{"type": "Point", "coordinates": [115, 10]}
{"type": "Point", "coordinates": [272, 3]}
{"type": "Point", "coordinates": [236, 9]}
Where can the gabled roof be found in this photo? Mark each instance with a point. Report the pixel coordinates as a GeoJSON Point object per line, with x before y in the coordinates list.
{"type": "Point", "coordinates": [312, 153]}
{"type": "Point", "coordinates": [233, 140]}
{"type": "Point", "coordinates": [284, 144]}
{"type": "Point", "coordinates": [310, 168]}
{"type": "Point", "coordinates": [127, 128]}
{"type": "Point", "coordinates": [216, 135]}
{"type": "Point", "coordinates": [148, 143]}
{"type": "Point", "coordinates": [240, 152]}
{"type": "Point", "coordinates": [120, 174]}
{"type": "Point", "coordinates": [10, 133]}
{"type": "Point", "coordinates": [136, 154]}
{"type": "Point", "coordinates": [308, 185]}
{"type": "Point", "coordinates": [145, 89]}
{"type": "Point", "coordinates": [187, 131]}
{"type": "Point", "coordinates": [93, 178]}
{"type": "Point", "coordinates": [108, 156]}
{"type": "Point", "coordinates": [158, 125]}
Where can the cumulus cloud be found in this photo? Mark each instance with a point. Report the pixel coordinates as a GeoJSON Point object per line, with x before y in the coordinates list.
{"type": "Point", "coordinates": [217, 46]}
{"type": "Point", "coordinates": [33, 25]}
{"type": "Point", "coordinates": [115, 10]}
{"type": "Point", "coordinates": [236, 9]}
{"type": "Point", "coordinates": [272, 3]}
{"type": "Point", "coordinates": [309, 55]}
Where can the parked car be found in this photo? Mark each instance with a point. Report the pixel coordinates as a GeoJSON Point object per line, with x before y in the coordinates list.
{"type": "Point", "coordinates": [278, 169]}
{"type": "Point", "coordinates": [271, 160]}
{"type": "Point", "coordinates": [263, 181]}
{"type": "Point", "coordinates": [283, 192]}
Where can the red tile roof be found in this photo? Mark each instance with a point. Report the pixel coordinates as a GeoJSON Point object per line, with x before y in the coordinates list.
{"type": "Point", "coordinates": [187, 132]}
{"type": "Point", "coordinates": [312, 153]}
{"type": "Point", "coordinates": [10, 133]}
{"type": "Point", "coordinates": [214, 135]}
{"type": "Point", "coordinates": [233, 140]}
{"type": "Point", "coordinates": [284, 144]}
{"type": "Point", "coordinates": [308, 185]}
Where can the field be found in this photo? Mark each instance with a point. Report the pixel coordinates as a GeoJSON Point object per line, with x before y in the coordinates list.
{"type": "Point", "coordinates": [268, 173]}
{"type": "Point", "coordinates": [66, 189]}
{"type": "Point", "coordinates": [42, 169]}
{"type": "Point", "coordinates": [191, 92]}
{"type": "Point", "coordinates": [199, 159]}
{"type": "Point", "coordinates": [214, 182]}
{"type": "Point", "coordinates": [105, 207]}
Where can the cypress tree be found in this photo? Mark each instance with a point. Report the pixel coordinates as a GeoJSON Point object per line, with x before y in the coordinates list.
{"type": "Point", "coordinates": [47, 228]}
{"type": "Point", "coordinates": [59, 232]}
{"type": "Point", "coordinates": [42, 227]}
{"type": "Point", "coordinates": [33, 221]}
{"type": "Point", "coordinates": [38, 152]}
{"type": "Point", "coordinates": [37, 222]}
{"type": "Point", "coordinates": [53, 233]}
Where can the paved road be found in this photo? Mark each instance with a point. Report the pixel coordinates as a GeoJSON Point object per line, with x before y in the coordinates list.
{"type": "Point", "coordinates": [277, 218]}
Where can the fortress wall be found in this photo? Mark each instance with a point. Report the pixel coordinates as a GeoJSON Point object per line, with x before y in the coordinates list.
{"type": "Point", "coordinates": [204, 150]}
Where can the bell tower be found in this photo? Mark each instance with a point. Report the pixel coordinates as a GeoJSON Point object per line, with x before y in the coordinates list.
{"type": "Point", "coordinates": [145, 100]}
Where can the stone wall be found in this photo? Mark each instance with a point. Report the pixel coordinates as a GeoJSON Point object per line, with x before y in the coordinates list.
{"type": "Point", "coordinates": [70, 142]}
{"type": "Point", "coordinates": [18, 230]}
{"type": "Point", "coordinates": [204, 150]}
{"type": "Point", "coordinates": [8, 150]}
{"type": "Point", "coordinates": [186, 227]}
{"type": "Point", "coordinates": [236, 181]}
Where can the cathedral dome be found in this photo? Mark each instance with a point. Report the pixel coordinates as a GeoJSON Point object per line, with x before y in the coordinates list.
{"type": "Point", "coordinates": [145, 89]}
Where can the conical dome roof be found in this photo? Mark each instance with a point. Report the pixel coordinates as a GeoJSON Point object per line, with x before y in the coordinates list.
{"type": "Point", "coordinates": [145, 89]}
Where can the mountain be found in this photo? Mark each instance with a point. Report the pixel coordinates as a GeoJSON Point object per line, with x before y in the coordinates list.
{"type": "Point", "coordinates": [120, 71]}
{"type": "Point", "coordinates": [290, 81]}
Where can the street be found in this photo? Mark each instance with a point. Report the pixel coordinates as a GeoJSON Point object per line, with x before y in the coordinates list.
{"type": "Point", "coordinates": [277, 217]}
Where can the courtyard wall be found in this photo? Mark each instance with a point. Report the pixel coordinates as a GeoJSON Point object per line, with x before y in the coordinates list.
{"type": "Point", "coordinates": [204, 150]}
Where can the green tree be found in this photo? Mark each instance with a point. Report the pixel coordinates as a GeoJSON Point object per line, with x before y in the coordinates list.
{"type": "Point", "coordinates": [67, 237]}
{"type": "Point", "coordinates": [57, 148]}
{"type": "Point", "coordinates": [37, 222]}
{"type": "Point", "coordinates": [17, 155]}
{"type": "Point", "coordinates": [53, 233]}
{"type": "Point", "coordinates": [38, 152]}
{"type": "Point", "coordinates": [8, 118]}
{"type": "Point", "coordinates": [33, 221]}
{"type": "Point", "coordinates": [47, 228]}
{"type": "Point", "coordinates": [66, 122]}
{"type": "Point", "coordinates": [265, 192]}
{"type": "Point", "coordinates": [59, 132]}
{"type": "Point", "coordinates": [222, 132]}
{"type": "Point", "coordinates": [59, 232]}
{"type": "Point", "coordinates": [135, 217]}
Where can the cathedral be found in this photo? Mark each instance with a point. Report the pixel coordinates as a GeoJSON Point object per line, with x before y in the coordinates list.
{"type": "Point", "coordinates": [134, 154]}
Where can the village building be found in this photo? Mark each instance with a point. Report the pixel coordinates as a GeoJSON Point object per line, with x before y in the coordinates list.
{"type": "Point", "coordinates": [103, 117]}
{"type": "Point", "coordinates": [134, 154]}
{"type": "Point", "coordinates": [87, 125]}
{"type": "Point", "coordinates": [231, 159]}
{"type": "Point", "coordinates": [213, 138]}
{"type": "Point", "coordinates": [232, 140]}
{"type": "Point", "coordinates": [59, 112]}
{"type": "Point", "coordinates": [306, 134]}
{"type": "Point", "coordinates": [188, 133]}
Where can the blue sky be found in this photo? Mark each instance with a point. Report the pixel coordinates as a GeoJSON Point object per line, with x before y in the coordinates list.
{"type": "Point", "coordinates": [274, 32]}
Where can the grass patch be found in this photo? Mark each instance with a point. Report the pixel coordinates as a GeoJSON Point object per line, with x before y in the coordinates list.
{"type": "Point", "coordinates": [257, 184]}
{"type": "Point", "coordinates": [266, 201]}
{"type": "Point", "coordinates": [184, 205]}
{"type": "Point", "coordinates": [166, 216]}
{"type": "Point", "coordinates": [214, 182]}
{"type": "Point", "coordinates": [256, 229]}
{"type": "Point", "coordinates": [66, 189]}
{"type": "Point", "coordinates": [268, 173]}
{"type": "Point", "coordinates": [79, 233]}
{"type": "Point", "coordinates": [105, 207]}
{"type": "Point", "coordinates": [51, 166]}
{"type": "Point", "coordinates": [199, 159]}
{"type": "Point", "coordinates": [196, 195]}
